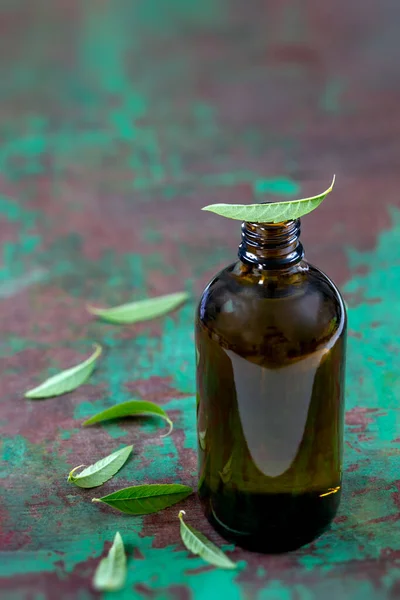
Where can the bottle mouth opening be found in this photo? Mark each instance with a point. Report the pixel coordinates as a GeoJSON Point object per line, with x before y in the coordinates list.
{"type": "Point", "coordinates": [271, 245]}
{"type": "Point", "coordinates": [271, 235]}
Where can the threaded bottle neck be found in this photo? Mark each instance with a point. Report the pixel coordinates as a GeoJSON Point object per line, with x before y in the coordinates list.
{"type": "Point", "coordinates": [271, 245]}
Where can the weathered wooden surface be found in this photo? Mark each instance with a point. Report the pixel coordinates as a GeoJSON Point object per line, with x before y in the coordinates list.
{"type": "Point", "coordinates": [118, 121]}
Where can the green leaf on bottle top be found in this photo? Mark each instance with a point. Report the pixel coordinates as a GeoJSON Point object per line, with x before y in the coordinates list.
{"type": "Point", "coordinates": [274, 212]}
{"type": "Point", "coordinates": [131, 408]}
{"type": "Point", "coordinates": [197, 543]}
{"type": "Point", "coordinates": [146, 499]}
{"type": "Point", "coordinates": [142, 310]}
{"type": "Point", "coordinates": [102, 470]}
{"type": "Point", "coordinates": [67, 380]}
{"type": "Point", "coordinates": [111, 573]}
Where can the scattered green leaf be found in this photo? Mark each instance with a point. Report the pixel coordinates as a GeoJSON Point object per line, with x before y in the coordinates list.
{"type": "Point", "coordinates": [146, 499]}
{"type": "Point", "coordinates": [102, 470]}
{"type": "Point", "coordinates": [131, 408]}
{"type": "Point", "coordinates": [67, 380]}
{"type": "Point", "coordinates": [197, 543]}
{"type": "Point", "coordinates": [142, 310]}
{"type": "Point", "coordinates": [110, 575]}
{"type": "Point", "coordinates": [275, 212]}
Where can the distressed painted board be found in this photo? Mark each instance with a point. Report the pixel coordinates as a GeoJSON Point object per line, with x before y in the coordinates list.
{"type": "Point", "coordinates": [118, 122]}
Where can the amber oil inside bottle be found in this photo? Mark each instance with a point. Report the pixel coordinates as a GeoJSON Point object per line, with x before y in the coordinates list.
{"type": "Point", "coordinates": [270, 346]}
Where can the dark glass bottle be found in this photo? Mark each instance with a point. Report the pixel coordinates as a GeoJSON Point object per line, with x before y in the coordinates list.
{"type": "Point", "coordinates": [271, 342]}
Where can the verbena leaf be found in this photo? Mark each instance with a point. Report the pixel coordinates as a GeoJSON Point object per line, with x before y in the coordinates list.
{"type": "Point", "coordinates": [275, 212]}
{"type": "Point", "coordinates": [111, 573]}
{"type": "Point", "coordinates": [142, 310]}
{"type": "Point", "coordinates": [68, 380]}
{"type": "Point", "coordinates": [131, 408]}
{"type": "Point", "coordinates": [146, 499]}
{"type": "Point", "coordinates": [102, 470]}
{"type": "Point", "coordinates": [197, 543]}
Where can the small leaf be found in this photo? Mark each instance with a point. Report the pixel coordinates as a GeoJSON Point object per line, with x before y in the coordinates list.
{"type": "Point", "coordinates": [275, 212]}
{"type": "Point", "coordinates": [146, 499]}
{"type": "Point", "coordinates": [131, 408]}
{"type": "Point", "coordinates": [67, 380]}
{"type": "Point", "coordinates": [102, 470]}
{"type": "Point", "coordinates": [110, 575]}
{"type": "Point", "coordinates": [142, 310]}
{"type": "Point", "coordinates": [197, 543]}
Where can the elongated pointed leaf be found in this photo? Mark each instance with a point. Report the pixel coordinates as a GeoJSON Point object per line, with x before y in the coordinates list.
{"type": "Point", "coordinates": [102, 470]}
{"type": "Point", "coordinates": [68, 380]}
{"type": "Point", "coordinates": [131, 408]}
{"type": "Point", "coordinates": [197, 543]}
{"type": "Point", "coordinates": [275, 212]}
{"type": "Point", "coordinates": [146, 499]}
{"type": "Point", "coordinates": [142, 310]}
{"type": "Point", "coordinates": [111, 573]}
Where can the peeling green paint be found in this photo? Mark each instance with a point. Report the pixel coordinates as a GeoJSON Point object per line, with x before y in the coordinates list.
{"type": "Point", "coordinates": [171, 355]}
{"type": "Point", "coordinates": [13, 454]}
{"type": "Point", "coordinates": [368, 384]}
{"type": "Point", "coordinates": [102, 130]}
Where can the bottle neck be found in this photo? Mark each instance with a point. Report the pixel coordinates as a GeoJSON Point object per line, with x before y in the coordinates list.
{"type": "Point", "coordinates": [271, 245]}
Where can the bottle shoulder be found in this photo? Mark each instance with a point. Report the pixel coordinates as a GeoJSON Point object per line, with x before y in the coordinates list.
{"type": "Point", "coordinates": [252, 312]}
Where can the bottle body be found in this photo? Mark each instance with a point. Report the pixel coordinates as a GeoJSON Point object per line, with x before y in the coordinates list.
{"type": "Point", "coordinates": [270, 347]}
